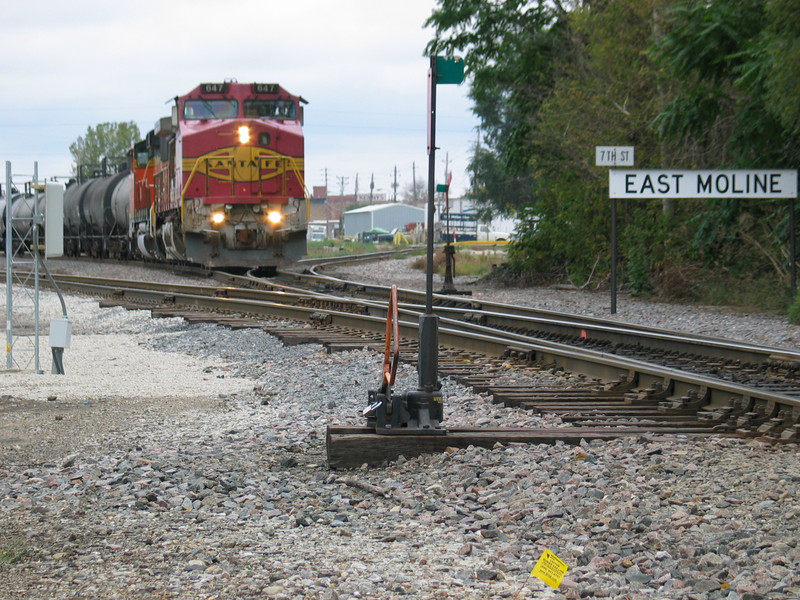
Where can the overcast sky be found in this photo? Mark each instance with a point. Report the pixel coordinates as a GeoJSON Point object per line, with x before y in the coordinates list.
{"type": "Point", "coordinates": [359, 63]}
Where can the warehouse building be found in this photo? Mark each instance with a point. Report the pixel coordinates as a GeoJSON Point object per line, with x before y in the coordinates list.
{"type": "Point", "coordinates": [385, 217]}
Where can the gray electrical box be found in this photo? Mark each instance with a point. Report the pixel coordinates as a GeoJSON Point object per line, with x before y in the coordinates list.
{"type": "Point", "coordinates": [60, 333]}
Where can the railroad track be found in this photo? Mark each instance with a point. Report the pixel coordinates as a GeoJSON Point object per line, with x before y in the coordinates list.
{"type": "Point", "coordinates": [638, 379]}
{"type": "Point", "coordinates": [663, 400]}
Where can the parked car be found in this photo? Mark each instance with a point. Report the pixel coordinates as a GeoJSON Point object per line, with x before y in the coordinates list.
{"type": "Point", "coordinates": [487, 235]}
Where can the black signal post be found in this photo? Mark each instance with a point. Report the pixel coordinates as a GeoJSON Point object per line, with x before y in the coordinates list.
{"type": "Point", "coordinates": [417, 411]}
{"type": "Point", "coordinates": [442, 71]}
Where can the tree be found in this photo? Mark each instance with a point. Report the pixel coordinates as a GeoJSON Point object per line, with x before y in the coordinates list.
{"type": "Point", "coordinates": [415, 193]}
{"type": "Point", "coordinates": [105, 141]}
{"type": "Point", "coordinates": [509, 48]}
{"type": "Point", "coordinates": [690, 83]}
{"type": "Point", "coordinates": [782, 42]}
{"type": "Point", "coordinates": [736, 61]}
{"type": "Point", "coordinates": [492, 190]}
{"type": "Point", "coordinates": [606, 91]}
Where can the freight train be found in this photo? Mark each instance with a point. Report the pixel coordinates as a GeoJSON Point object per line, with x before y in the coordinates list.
{"type": "Point", "coordinates": [23, 207]}
{"type": "Point", "coordinates": [218, 183]}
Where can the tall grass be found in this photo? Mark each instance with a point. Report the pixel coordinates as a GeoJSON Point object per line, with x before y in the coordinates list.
{"type": "Point", "coordinates": [753, 294]}
{"type": "Point", "coordinates": [334, 247]}
{"type": "Point", "coordinates": [468, 262]}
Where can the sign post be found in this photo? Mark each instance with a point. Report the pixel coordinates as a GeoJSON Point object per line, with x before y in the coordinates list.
{"type": "Point", "coordinates": [614, 156]}
{"type": "Point", "coordinates": [792, 249]}
{"type": "Point", "coordinates": [442, 71]}
{"type": "Point", "coordinates": [448, 287]}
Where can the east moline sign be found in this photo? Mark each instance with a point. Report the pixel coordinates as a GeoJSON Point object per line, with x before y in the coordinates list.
{"type": "Point", "coordinates": [702, 184]}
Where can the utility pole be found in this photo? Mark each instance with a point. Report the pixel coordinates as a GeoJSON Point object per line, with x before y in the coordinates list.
{"type": "Point", "coordinates": [327, 202]}
{"type": "Point", "coordinates": [342, 182]}
{"type": "Point", "coordinates": [371, 186]}
{"type": "Point", "coordinates": [356, 192]}
{"type": "Point", "coordinates": [394, 186]}
{"type": "Point", "coordinates": [414, 180]}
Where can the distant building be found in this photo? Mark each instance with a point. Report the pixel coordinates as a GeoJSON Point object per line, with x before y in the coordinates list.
{"type": "Point", "coordinates": [319, 231]}
{"type": "Point", "coordinates": [463, 209]}
{"type": "Point", "coordinates": [328, 208]}
{"type": "Point", "coordinates": [372, 198]}
{"type": "Point", "coordinates": [387, 217]}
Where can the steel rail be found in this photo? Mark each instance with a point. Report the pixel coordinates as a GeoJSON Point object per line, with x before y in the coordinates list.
{"type": "Point", "coordinates": [313, 263]}
{"type": "Point", "coordinates": [520, 322]}
{"type": "Point", "coordinates": [453, 333]}
{"type": "Point", "coordinates": [512, 317]}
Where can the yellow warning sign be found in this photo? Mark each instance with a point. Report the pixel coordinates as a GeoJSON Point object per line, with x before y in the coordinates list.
{"type": "Point", "coordinates": [550, 569]}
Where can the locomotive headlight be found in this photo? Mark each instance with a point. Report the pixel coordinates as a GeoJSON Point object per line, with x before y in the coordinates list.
{"type": "Point", "coordinates": [218, 218]}
{"type": "Point", "coordinates": [244, 134]}
{"type": "Point", "coordinates": [274, 217]}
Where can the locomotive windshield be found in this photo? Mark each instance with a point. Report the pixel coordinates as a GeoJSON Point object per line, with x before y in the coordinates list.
{"type": "Point", "coordinates": [270, 109]}
{"type": "Point", "coordinates": [210, 109]}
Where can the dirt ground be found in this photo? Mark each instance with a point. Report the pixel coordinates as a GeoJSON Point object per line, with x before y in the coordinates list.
{"type": "Point", "coordinates": [46, 432]}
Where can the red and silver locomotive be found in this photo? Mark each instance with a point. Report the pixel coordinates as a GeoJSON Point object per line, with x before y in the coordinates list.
{"type": "Point", "coordinates": [218, 183]}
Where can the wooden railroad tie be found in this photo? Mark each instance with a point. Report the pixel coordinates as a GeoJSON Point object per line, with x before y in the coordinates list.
{"type": "Point", "coordinates": [351, 447]}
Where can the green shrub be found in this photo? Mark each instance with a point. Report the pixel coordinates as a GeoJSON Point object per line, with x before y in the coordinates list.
{"type": "Point", "coordinates": [794, 311]}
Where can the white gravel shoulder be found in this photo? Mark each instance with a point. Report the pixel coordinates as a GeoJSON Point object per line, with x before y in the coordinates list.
{"type": "Point", "coordinates": [106, 360]}
{"type": "Point", "coordinates": [99, 366]}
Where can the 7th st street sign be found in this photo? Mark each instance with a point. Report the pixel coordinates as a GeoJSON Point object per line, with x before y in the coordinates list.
{"type": "Point", "coordinates": [765, 183]}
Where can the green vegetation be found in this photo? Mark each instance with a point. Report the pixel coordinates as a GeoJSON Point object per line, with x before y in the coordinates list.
{"type": "Point", "coordinates": [468, 262]}
{"type": "Point", "coordinates": [110, 141]}
{"type": "Point", "coordinates": [691, 85]}
{"type": "Point", "coordinates": [415, 251]}
{"type": "Point", "coordinates": [338, 247]}
{"type": "Point", "coordinates": [794, 311]}
{"type": "Point", "coordinates": [12, 554]}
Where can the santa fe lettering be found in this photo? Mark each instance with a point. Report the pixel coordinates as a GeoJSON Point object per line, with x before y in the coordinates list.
{"type": "Point", "coordinates": [662, 184]}
{"type": "Point", "coordinates": [738, 183]}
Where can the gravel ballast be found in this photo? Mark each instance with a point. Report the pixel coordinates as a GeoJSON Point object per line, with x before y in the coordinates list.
{"type": "Point", "coordinates": [188, 461]}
